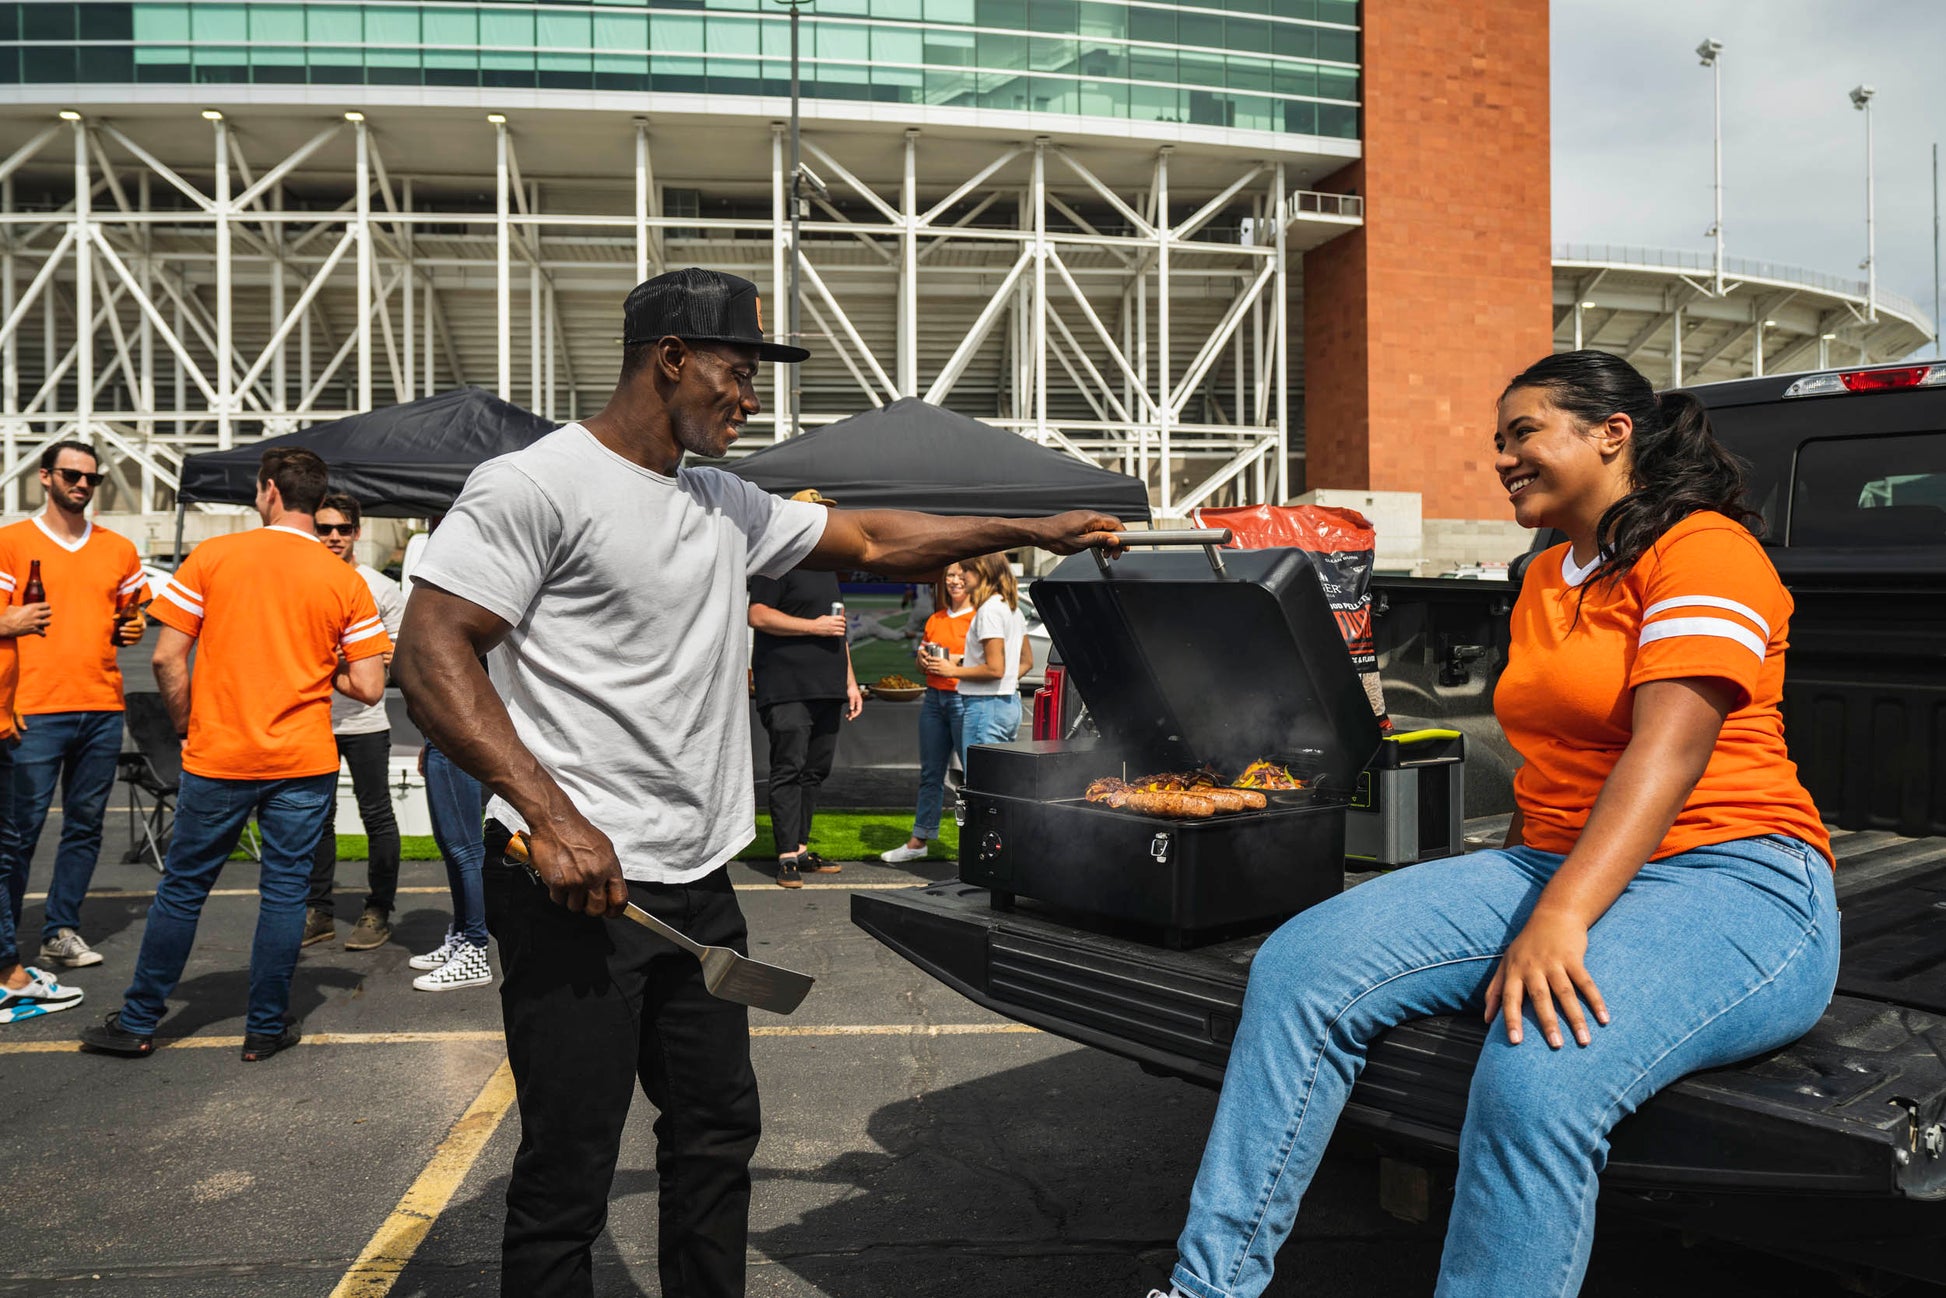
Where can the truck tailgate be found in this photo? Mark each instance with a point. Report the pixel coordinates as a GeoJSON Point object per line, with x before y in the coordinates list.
{"type": "Point", "coordinates": [1854, 1107]}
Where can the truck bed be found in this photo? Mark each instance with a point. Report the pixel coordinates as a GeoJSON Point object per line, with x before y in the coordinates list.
{"type": "Point", "coordinates": [1854, 1108]}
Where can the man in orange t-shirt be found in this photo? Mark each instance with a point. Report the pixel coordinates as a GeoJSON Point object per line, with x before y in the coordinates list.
{"type": "Point", "coordinates": [25, 993]}
{"type": "Point", "coordinates": [278, 623]}
{"type": "Point", "coordinates": [70, 691]}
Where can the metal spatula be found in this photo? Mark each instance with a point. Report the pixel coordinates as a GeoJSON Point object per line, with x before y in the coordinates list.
{"type": "Point", "coordinates": [726, 974]}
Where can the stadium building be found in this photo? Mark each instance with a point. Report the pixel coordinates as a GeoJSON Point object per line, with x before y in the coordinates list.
{"type": "Point", "coordinates": [1242, 248]}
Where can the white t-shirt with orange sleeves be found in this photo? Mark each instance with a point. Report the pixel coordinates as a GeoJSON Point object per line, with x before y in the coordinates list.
{"type": "Point", "coordinates": [72, 668]}
{"type": "Point", "coordinates": [1704, 601]}
{"type": "Point", "coordinates": [271, 610]}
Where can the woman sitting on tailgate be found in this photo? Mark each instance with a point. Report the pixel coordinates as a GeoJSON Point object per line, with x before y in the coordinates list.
{"type": "Point", "coordinates": [1664, 900]}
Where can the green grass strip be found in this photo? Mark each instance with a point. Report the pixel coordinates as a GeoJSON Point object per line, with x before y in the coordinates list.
{"type": "Point", "coordinates": [839, 835]}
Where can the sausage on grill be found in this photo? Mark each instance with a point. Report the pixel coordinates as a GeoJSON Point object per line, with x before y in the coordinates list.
{"type": "Point", "coordinates": [1186, 806]}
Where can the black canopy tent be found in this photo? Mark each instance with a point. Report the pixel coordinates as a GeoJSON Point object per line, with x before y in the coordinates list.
{"type": "Point", "coordinates": [910, 455]}
{"type": "Point", "coordinates": [404, 461]}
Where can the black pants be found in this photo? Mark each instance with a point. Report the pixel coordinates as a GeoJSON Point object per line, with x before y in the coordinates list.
{"type": "Point", "coordinates": [803, 743]}
{"type": "Point", "coordinates": [592, 1007]}
{"type": "Point", "coordinates": [369, 757]}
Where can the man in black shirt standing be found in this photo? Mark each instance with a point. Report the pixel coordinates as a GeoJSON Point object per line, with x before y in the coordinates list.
{"type": "Point", "coordinates": [802, 667]}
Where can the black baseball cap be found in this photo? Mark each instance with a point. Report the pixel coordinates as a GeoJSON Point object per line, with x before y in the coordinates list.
{"type": "Point", "coordinates": [704, 306]}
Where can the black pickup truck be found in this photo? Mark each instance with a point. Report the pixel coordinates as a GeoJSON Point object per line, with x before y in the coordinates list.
{"type": "Point", "coordinates": [1834, 1149]}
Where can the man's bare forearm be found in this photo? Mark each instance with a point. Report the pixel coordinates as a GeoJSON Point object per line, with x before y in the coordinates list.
{"type": "Point", "coordinates": [172, 681]}
{"type": "Point", "coordinates": [451, 700]}
{"type": "Point", "coordinates": [902, 543]}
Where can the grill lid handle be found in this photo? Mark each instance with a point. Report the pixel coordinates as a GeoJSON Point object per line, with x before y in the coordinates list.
{"type": "Point", "coordinates": [1207, 537]}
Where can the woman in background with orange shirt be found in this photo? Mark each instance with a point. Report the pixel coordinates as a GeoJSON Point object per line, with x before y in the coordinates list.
{"type": "Point", "coordinates": [942, 712]}
{"type": "Point", "coordinates": [1664, 900]}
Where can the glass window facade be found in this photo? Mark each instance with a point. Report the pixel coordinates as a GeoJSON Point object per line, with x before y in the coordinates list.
{"type": "Point", "coordinates": [1268, 65]}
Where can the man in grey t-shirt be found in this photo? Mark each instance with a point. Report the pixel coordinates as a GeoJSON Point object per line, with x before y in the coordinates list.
{"type": "Point", "coordinates": [607, 582]}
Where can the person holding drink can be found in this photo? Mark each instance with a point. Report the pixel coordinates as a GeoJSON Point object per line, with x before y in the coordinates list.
{"type": "Point", "coordinates": [800, 663]}
{"type": "Point", "coordinates": [942, 713]}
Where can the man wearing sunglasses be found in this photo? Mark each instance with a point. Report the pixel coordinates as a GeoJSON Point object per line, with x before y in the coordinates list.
{"type": "Point", "coordinates": [69, 697]}
{"type": "Point", "coordinates": [364, 736]}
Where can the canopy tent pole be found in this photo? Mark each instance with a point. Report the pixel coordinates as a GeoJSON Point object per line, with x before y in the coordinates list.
{"type": "Point", "coordinates": [181, 509]}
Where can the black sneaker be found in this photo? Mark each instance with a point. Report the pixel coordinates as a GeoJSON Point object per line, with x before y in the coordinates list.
{"type": "Point", "coordinates": [109, 1037]}
{"type": "Point", "coordinates": [812, 863]}
{"type": "Point", "coordinates": [787, 875]}
{"type": "Point", "coordinates": [259, 1046]}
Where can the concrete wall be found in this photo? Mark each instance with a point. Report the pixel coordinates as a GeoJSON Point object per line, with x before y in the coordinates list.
{"type": "Point", "coordinates": [1414, 323]}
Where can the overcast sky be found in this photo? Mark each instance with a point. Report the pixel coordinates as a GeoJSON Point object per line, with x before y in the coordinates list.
{"type": "Point", "coordinates": [1632, 129]}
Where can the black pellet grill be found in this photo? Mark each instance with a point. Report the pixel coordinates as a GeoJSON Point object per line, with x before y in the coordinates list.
{"type": "Point", "coordinates": [1182, 658]}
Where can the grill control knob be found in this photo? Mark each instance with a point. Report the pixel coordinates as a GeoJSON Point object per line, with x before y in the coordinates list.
{"type": "Point", "coordinates": [990, 845]}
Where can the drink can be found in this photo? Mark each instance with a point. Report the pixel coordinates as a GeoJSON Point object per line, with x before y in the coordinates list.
{"type": "Point", "coordinates": [837, 608]}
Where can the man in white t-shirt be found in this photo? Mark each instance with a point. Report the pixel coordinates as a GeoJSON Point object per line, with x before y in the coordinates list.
{"type": "Point", "coordinates": [363, 732]}
{"type": "Point", "coordinates": [607, 582]}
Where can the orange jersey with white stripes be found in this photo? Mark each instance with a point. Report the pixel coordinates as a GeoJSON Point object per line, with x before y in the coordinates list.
{"type": "Point", "coordinates": [9, 664]}
{"type": "Point", "coordinates": [271, 611]}
{"type": "Point", "coordinates": [1704, 601]}
{"type": "Point", "coordinates": [72, 668]}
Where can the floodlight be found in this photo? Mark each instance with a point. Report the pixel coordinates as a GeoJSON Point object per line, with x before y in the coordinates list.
{"type": "Point", "coordinates": [211, 115]}
{"type": "Point", "coordinates": [1861, 95]}
{"type": "Point", "coordinates": [1708, 51]}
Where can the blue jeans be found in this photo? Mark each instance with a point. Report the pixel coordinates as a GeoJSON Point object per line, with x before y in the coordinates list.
{"type": "Point", "coordinates": [453, 798]}
{"type": "Point", "coordinates": [990, 719]}
{"type": "Point", "coordinates": [940, 736]}
{"type": "Point", "coordinates": [77, 751]}
{"type": "Point", "coordinates": [1707, 958]}
{"type": "Point", "coordinates": [210, 816]}
{"type": "Point", "coordinates": [9, 947]}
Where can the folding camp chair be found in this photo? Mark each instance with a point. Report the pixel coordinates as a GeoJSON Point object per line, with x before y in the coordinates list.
{"type": "Point", "coordinates": [154, 770]}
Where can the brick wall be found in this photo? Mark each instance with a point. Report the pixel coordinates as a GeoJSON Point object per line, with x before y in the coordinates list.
{"type": "Point", "coordinates": [1414, 323]}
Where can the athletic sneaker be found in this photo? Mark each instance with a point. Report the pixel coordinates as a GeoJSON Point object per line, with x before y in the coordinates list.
{"type": "Point", "coordinates": [787, 875]}
{"type": "Point", "coordinates": [66, 950]}
{"type": "Point", "coordinates": [812, 863]}
{"type": "Point", "coordinates": [468, 967]}
{"type": "Point", "coordinates": [901, 854]}
{"type": "Point", "coordinates": [439, 955]}
{"type": "Point", "coordinates": [42, 995]}
{"type": "Point", "coordinates": [109, 1037]}
{"type": "Point", "coordinates": [259, 1046]}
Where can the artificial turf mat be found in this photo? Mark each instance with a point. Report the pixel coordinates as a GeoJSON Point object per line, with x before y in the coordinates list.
{"type": "Point", "coordinates": [839, 835]}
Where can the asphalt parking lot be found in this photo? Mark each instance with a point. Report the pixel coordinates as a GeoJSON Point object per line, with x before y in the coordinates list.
{"type": "Point", "coordinates": [914, 1144]}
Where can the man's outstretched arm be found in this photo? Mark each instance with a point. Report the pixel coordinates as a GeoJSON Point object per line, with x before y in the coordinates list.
{"type": "Point", "coordinates": [902, 543]}
{"type": "Point", "coordinates": [450, 699]}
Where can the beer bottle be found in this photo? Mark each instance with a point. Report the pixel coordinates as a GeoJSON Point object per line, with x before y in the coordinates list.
{"type": "Point", "coordinates": [124, 614]}
{"type": "Point", "coordinates": [33, 592]}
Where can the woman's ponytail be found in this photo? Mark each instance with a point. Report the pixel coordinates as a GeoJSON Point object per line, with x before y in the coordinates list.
{"type": "Point", "coordinates": [1676, 465]}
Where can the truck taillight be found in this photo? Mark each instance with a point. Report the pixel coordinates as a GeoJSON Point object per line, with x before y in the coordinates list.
{"type": "Point", "coordinates": [1883, 378]}
{"type": "Point", "coordinates": [1047, 704]}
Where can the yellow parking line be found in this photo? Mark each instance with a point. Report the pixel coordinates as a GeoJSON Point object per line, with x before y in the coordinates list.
{"type": "Point", "coordinates": [494, 1034]}
{"type": "Point", "coordinates": [377, 1269]}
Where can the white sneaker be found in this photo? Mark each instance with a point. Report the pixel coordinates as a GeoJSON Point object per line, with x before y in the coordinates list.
{"type": "Point", "coordinates": [902, 853]}
{"type": "Point", "coordinates": [66, 950]}
{"type": "Point", "coordinates": [42, 995]}
{"type": "Point", "coordinates": [439, 955]}
{"type": "Point", "coordinates": [468, 967]}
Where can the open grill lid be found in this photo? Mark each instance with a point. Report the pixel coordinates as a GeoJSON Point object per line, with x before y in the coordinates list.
{"type": "Point", "coordinates": [1185, 658]}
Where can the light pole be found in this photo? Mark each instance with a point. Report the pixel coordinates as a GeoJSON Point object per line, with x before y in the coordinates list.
{"type": "Point", "coordinates": [1861, 99]}
{"type": "Point", "coordinates": [1710, 53]}
{"type": "Point", "coordinates": [797, 213]}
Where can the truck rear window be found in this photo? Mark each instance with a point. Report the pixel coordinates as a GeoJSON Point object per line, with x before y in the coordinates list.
{"type": "Point", "coordinates": [1861, 492]}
